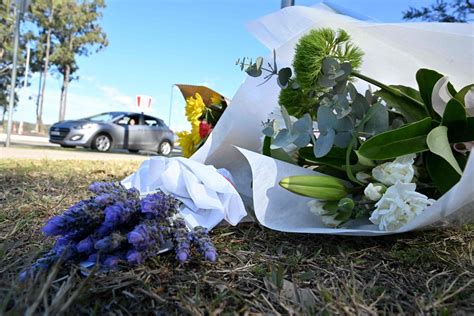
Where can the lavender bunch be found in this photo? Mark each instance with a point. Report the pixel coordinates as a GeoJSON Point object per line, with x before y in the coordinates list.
{"type": "Point", "coordinates": [116, 227]}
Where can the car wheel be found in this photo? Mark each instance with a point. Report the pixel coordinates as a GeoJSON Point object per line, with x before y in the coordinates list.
{"type": "Point", "coordinates": [68, 146]}
{"type": "Point", "coordinates": [102, 142]}
{"type": "Point", "coordinates": [133, 150]}
{"type": "Point", "coordinates": [165, 148]}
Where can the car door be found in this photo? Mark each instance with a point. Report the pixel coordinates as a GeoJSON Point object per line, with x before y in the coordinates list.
{"type": "Point", "coordinates": [131, 131]}
{"type": "Point", "coordinates": [154, 132]}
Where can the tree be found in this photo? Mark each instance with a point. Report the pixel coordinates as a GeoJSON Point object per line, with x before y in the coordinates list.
{"type": "Point", "coordinates": [443, 11]}
{"type": "Point", "coordinates": [78, 33]}
{"type": "Point", "coordinates": [7, 25]}
{"type": "Point", "coordinates": [42, 13]}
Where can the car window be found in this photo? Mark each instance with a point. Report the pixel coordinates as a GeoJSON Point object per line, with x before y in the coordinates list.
{"type": "Point", "coordinates": [152, 121]}
{"type": "Point", "coordinates": [103, 117]}
{"type": "Point", "coordinates": [129, 120]}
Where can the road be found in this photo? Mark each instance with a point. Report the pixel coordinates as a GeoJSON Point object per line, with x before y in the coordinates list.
{"type": "Point", "coordinates": [35, 147]}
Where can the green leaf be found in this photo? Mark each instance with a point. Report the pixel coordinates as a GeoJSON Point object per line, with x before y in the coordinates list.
{"type": "Point", "coordinates": [427, 79]}
{"type": "Point", "coordinates": [282, 155]}
{"type": "Point", "coordinates": [336, 157]}
{"type": "Point", "coordinates": [267, 142]}
{"type": "Point", "coordinates": [408, 139]}
{"type": "Point", "coordinates": [454, 117]}
{"type": "Point", "coordinates": [409, 107]}
{"type": "Point", "coordinates": [438, 144]}
{"type": "Point", "coordinates": [462, 94]}
{"type": "Point", "coordinates": [441, 172]}
{"type": "Point", "coordinates": [461, 135]}
{"type": "Point", "coordinates": [284, 76]}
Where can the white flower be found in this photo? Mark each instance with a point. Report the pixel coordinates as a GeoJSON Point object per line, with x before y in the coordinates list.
{"type": "Point", "coordinates": [398, 206]}
{"type": "Point", "coordinates": [363, 177]}
{"type": "Point", "coordinates": [441, 96]}
{"type": "Point", "coordinates": [317, 208]}
{"type": "Point", "coordinates": [374, 191]}
{"type": "Point", "coordinates": [401, 169]}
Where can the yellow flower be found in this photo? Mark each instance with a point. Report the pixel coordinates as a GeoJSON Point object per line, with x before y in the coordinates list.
{"type": "Point", "coordinates": [194, 108]}
{"type": "Point", "coordinates": [186, 142]}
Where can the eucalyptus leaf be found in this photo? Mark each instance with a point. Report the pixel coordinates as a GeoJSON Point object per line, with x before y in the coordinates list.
{"type": "Point", "coordinates": [324, 143]}
{"type": "Point", "coordinates": [378, 123]}
{"type": "Point", "coordinates": [326, 118]}
{"type": "Point", "coordinates": [342, 139]}
{"type": "Point", "coordinates": [408, 139]}
{"type": "Point", "coordinates": [283, 138]}
{"type": "Point", "coordinates": [360, 106]}
{"type": "Point", "coordinates": [438, 144]}
{"type": "Point", "coordinates": [284, 76]}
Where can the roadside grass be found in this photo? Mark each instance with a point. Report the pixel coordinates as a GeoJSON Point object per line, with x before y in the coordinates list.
{"type": "Point", "coordinates": [259, 271]}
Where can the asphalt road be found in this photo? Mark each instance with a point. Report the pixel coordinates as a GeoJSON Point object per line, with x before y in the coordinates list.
{"type": "Point", "coordinates": [34, 147]}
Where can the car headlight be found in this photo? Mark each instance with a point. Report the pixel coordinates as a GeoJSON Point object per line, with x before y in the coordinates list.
{"type": "Point", "coordinates": [84, 126]}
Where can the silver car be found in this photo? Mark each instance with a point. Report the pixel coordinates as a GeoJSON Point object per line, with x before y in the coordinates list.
{"type": "Point", "coordinates": [127, 130]}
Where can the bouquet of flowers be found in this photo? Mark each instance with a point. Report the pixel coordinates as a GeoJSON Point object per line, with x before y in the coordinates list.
{"type": "Point", "coordinates": [116, 227]}
{"type": "Point", "coordinates": [385, 155]}
{"type": "Point", "coordinates": [203, 109]}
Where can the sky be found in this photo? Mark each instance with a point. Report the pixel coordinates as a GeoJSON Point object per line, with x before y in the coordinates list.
{"type": "Point", "coordinates": [154, 44]}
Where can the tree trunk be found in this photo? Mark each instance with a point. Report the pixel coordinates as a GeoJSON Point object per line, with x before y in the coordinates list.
{"type": "Point", "coordinates": [67, 73]}
{"type": "Point", "coordinates": [62, 107]}
{"type": "Point", "coordinates": [39, 110]}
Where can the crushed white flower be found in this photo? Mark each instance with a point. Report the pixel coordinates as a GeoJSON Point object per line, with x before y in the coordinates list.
{"type": "Point", "coordinates": [401, 169]}
{"type": "Point", "coordinates": [399, 205]}
{"type": "Point", "coordinates": [317, 208]}
{"type": "Point", "coordinates": [374, 192]}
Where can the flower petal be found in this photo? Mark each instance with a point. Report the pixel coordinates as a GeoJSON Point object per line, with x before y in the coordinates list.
{"type": "Point", "coordinates": [469, 102]}
{"type": "Point", "coordinates": [440, 95]}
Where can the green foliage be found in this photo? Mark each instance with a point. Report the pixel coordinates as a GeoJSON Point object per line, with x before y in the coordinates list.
{"type": "Point", "coordinates": [438, 143]}
{"type": "Point", "coordinates": [408, 139]}
{"type": "Point", "coordinates": [314, 47]}
{"type": "Point", "coordinates": [410, 107]}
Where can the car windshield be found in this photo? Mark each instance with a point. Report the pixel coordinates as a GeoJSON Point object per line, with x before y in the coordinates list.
{"type": "Point", "coordinates": [103, 117]}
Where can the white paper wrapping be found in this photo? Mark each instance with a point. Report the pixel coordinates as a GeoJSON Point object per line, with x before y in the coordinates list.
{"type": "Point", "coordinates": [207, 194]}
{"type": "Point", "coordinates": [282, 210]}
{"type": "Point", "coordinates": [393, 54]}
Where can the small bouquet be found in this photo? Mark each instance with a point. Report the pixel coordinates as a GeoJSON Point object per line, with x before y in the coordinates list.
{"type": "Point", "coordinates": [116, 227]}
{"type": "Point", "coordinates": [385, 155]}
{"type": "Point", "coordinates": [204, 107]}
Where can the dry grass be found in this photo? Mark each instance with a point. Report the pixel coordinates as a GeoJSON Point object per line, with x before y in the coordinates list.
{"type": "Point", "coordinates": [259, 271]}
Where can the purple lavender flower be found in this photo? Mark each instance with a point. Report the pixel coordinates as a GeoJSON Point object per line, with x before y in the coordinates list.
{"type": "Point", "coordinates": [78, 219]}
{"type": "Point", "coordinates": [135, 257]}
{"type": "Point", "coordinates": [145, 235]}
{"type": "Point", "coordinates": [111, 261]}
{"type": "Point", "coordinates": [159, 204]}
{"type": "Point", "coordinates": [181, 240]}
{"type": "Point", "coordinates": [120, 213]}
{"type": "Point", "coordinates": [105, 199]}
{"type": "Point", "coordinates": [110, 243]}
{"type": "Point", "coordinates": [54, 226]}
{"type": "Point", "coordinates": [86, 245]}
{"type": "Point", "coordinates": [204, 245]}
{"type": "Point", "coordinates": [105, 187]}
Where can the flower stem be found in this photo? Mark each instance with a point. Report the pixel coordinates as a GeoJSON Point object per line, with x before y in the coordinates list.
{"type": "Point", "coordinates": [393, 91]}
